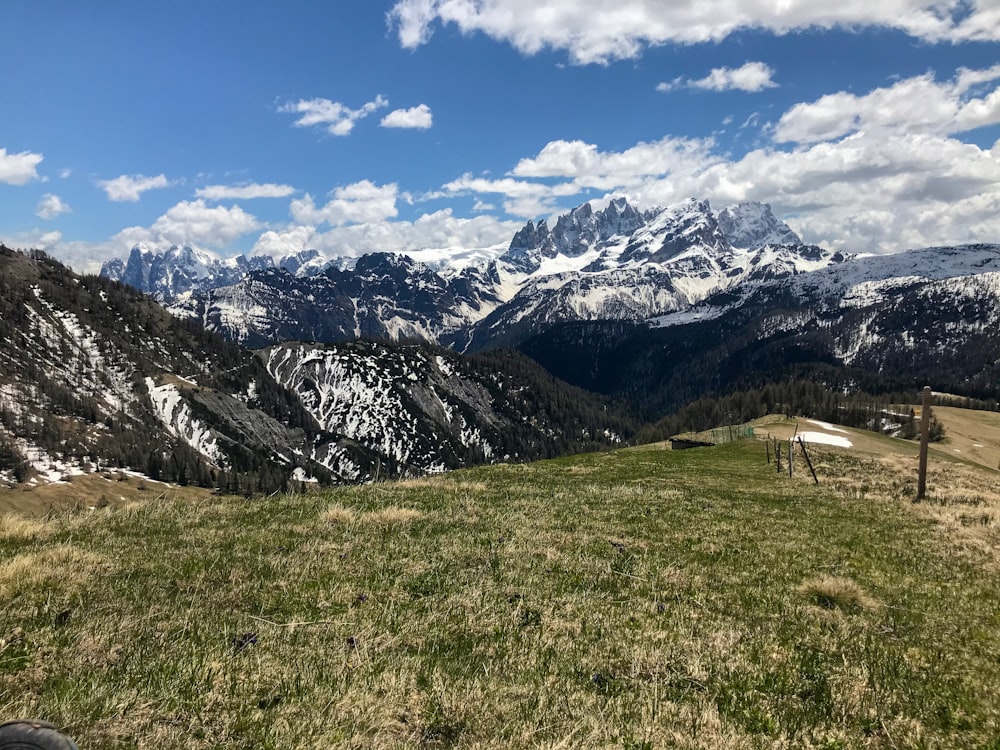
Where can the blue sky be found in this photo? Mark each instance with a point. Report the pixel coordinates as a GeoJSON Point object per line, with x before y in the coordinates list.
{"type": "Point", "coordinates": [404, 124]}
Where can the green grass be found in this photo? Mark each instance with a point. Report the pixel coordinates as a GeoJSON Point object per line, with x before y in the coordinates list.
{"type": "Point", "coordinates": [638, 599]}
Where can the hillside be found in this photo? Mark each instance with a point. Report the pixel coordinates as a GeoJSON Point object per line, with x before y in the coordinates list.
{"type": "Point", "coordinates": [640, 598]}
{"type": "Point", "coordinates": [97, 377]}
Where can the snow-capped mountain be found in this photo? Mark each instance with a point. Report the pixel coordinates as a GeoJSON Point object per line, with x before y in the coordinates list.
{"type": "Point", "coordinates": [929, 316]}
{"type": "Point", "coordinates": [673, 259]}
{"type": "Point", "coordinates": [615, 263]}
{"type": "Point", "coordinates": [181, 271]}
{"type": "Point", "coordinates": [752, 225]}
{"type": "Point", "coordinates": [381, 296]}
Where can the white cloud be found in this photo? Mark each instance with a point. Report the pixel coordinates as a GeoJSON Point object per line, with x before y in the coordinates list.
{"type": "Point", "coordinates": [131, 187]}
{"type": "Point", "coordinates": [874, 191]}
{"type": "Point", "coordinates": [418, 117]}
{"type": "Point", "coordinates": [244, 192]}
{"type": "Point", "coordinates": [34, 239]}
{"type": "Point", "coordinates": [336, 117]}
{"type": "Point", "coordinates": [526, 199]}
{"type": "Point", "coordinates": [751, 77]}
{"type": "Point", "coordinates": [19, 169]}
{"type": "Point", "coordinates": [65, 173]}
{"type": "Point", "coordinates": [598, 31]}
{"type": "Point", "coordinates": [591, 168]}
{"type": "Point", "coordinates": [916, 105]}
{"type": "Point", "coordinates": [50, 206]}
{"type": "Point", "coordinates": [457, 238]}
{"type": "Point", "coordinates": [357, 203]}
{"type": "Point", "coordinates": [193, 223]}
{"type": "Point", "coordinates": [286, 242]}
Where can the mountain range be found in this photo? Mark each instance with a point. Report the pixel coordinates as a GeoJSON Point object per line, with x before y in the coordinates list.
{"type": "Point", "coordinates": [98, 376]}
{"type": "Point", "coordinates": [618, 263]}
{"type": "Point", "coordinates": [655, 307]}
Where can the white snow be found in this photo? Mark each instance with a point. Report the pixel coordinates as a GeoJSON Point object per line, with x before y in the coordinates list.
{"type": "Point", "coordinates": [175, 414]}
{"type": "Point", "coordinates": [825, 439]}
{"type": "Point", "coordinates": [299, 475]}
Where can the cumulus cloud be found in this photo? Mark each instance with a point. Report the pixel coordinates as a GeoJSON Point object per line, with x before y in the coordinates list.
{"type": "Point", "coordinates": [599, 31]}
{"type": "Point", "coordinates": [571, 168]}
{"type": "Point", "coordinates": [279, 243]}
{"type": "Point", "coordinates": [878, 191]}
{"type": "Point", "coordinates": [751, 77]}
{"type": "Point", "coordinates": [337, 118]}
{"type": "Point", "coordinates": [193, 223]}
{"type": "Point", "coordinates": [357, 203]}
{"type": "Point", "coordinates": [590, 168]}
{"type": "Point", "coordinates": [35, 239]}
{"type": "Point", "coordinates": [418, 117]}
{"type": "Point", "coordinates": [244, 192]}
{"type": "Point", "coordinates": [131, 187]}
{"type": "Point", "coordinates": [522, 198]}
{"type": "Point", "coordinates": [919, 104]}
{"type": "Point", "coordinates": [432, 236]}
{"type": "Point", "coordinates": [19, 169]}
{"type": "Point", "coordinates": [51, 206]}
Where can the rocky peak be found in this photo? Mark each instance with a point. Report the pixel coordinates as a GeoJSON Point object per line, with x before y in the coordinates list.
{"type": "Point", "coordinates": [689, 224]}
{"type": "Point", "coordinates": [302, 262]}
{"type": "Point", "coordinates": [179, 269]}
{"type": "Point", "coordinates": [752, 225]}
{"type": "Point", "coordinates": [574, 233]}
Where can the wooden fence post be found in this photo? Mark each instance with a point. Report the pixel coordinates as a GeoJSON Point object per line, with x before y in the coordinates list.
{"type": "Point", "coordinates": [791, 459]}
{"type": "Point", "coordinates": [809, 463]}
{"type": "Point", "coordinates": [925, 429]}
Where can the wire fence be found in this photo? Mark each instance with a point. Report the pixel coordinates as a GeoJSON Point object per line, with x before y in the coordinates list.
{"type": "Point", "coordinates": [732, 433]}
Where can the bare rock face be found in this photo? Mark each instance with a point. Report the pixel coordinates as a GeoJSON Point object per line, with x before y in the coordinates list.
{"type": "Point", "coordinates": [750, 226]}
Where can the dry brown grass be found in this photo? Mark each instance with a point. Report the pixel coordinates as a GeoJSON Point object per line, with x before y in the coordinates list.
{"type": "Point", "coordinates": [962, 501]}
{"type": "Point", "coordinates": [833, 592]}
{"type": "Point", "coordinates": [337, 514]}
{"type": "Point", "coordinates": [392, 515]}
{"type": "Point", "coordinates": [15, 527]}
{"type": "Point", "coordinates": [89, 492]}
{"type": "Point", "coordinates": [64, 563]}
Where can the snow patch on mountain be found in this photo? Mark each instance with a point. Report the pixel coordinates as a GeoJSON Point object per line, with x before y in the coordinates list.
{"type": "Point", "coordinates": [175, 414]}
{"type": "Point", "coordinates": [750, 226]}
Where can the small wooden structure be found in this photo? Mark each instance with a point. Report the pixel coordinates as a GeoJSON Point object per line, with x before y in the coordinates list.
{"type": "Point", "coordinates": [680, 444]}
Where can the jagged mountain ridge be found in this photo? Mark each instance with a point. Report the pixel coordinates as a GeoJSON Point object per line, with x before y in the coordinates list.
{"type": "Point", "coordinates": [614, 263]}
{"type": "Point", "coordinates": [96, 374]}
{"type": "Point", "coordinates": [181, 270]}
{"type": "Point", "coordinates": [382, 296]}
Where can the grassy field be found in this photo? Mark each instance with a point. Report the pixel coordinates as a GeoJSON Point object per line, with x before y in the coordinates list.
{"type": "Point", "coordinates": [86, 492]}
{"type": "Point", "coordinates": [638, 599]}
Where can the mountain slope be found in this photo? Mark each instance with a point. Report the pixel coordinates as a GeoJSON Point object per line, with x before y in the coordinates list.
{"type": "Point", "coordinates": [95, 374]}
{"type": "Point", "coordinates": [424, 408]}
{"type": "Point", "coordinates": [925, 317]}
